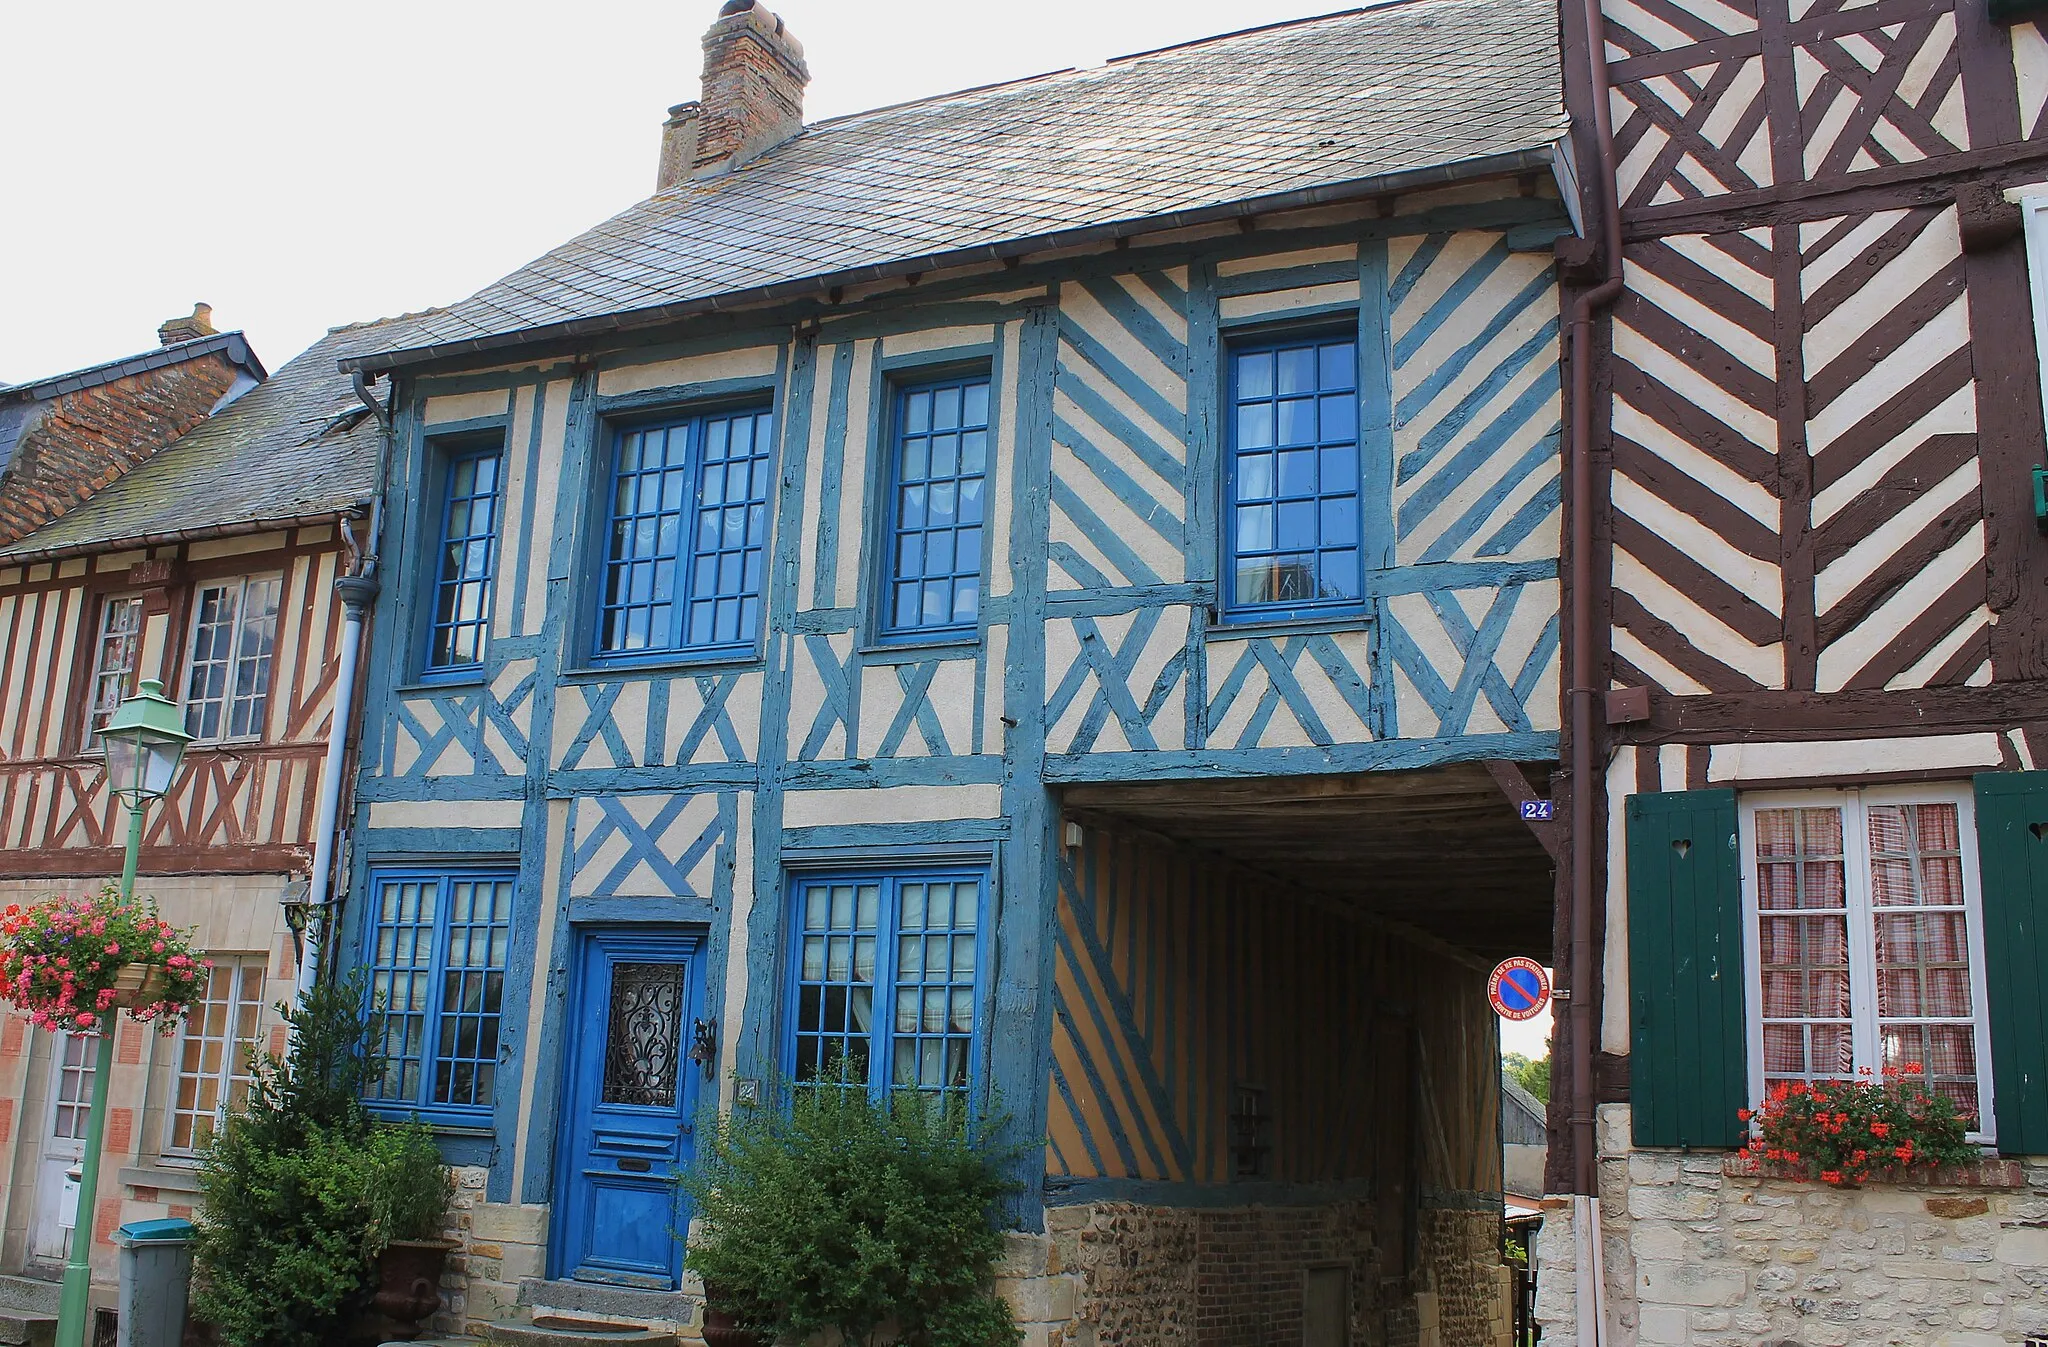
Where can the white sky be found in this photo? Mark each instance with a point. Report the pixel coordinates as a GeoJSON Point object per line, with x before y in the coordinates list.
{"type": "Point", "coordinates": [1531, 1038]}
{"type": "Point", "coordinates": [298, 166]}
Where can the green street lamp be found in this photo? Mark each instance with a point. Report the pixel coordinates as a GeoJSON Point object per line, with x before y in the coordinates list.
{"type": "Point", "coordinates": [145, 740]}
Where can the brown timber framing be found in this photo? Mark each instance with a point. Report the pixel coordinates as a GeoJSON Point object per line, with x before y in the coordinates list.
{"type": "Point", "coordinates": [2008, 440]}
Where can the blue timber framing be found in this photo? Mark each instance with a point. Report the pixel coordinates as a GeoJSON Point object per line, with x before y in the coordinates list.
{"type": "Point", "coordinates": [695, 812]}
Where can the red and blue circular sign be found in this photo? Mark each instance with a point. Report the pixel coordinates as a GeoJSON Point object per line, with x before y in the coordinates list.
{"type": "Point", "coordinates": [1519, 989]}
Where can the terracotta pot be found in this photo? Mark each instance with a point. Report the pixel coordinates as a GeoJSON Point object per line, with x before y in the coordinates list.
{"type": "Point", "coordinates": [721, 1329]}
{"type": "Point", "coordinates": [408, 1287]}
{"type": "Point", "coordinates": [140, 984]}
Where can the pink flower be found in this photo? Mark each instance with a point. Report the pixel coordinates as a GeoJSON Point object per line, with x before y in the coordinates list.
{"type": "Point", "coordinates": [157, 947]}
{"type": "Point", "coordinates": [86, 1019]}
{"type": "Point", "coordinates": [113, 948]}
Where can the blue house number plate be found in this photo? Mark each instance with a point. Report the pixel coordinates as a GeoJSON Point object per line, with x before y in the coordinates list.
{"type": "Point", "coordinates": [1538, 811]}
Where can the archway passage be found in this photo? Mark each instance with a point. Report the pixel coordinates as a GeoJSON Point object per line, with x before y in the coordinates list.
{"type": "Point", "coordinates": [1274, 1081]}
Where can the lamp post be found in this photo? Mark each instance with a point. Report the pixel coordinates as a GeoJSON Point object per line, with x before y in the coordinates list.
{"type": "Point", "coordinates": [145, 740]}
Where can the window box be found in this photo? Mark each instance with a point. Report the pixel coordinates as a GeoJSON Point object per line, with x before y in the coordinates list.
{"type": "Point", "coordinates": [1986, 1173]}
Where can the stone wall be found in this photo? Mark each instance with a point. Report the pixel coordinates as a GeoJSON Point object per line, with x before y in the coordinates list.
{"type": "Point", "coordinates": [1120, 1274]}
{"type": "Point", "coordinates": [502, 1243]}
{"type": "Point", "coordinates": [1464, 1278]}
{"type": "Point", "coordinates": [1705, 1250]}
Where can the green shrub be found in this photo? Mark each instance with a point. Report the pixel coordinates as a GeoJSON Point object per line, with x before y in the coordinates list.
{"type": "Point", "coordinates": [850, 1214]}
{"type": "Point", "coordinates": [304, 1188]}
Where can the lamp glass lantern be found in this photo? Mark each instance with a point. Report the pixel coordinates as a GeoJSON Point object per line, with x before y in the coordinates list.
{"type": "Point", "coordinates": [145, 740]}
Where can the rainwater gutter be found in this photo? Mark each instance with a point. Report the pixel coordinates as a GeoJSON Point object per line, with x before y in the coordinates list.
{"type": "Point", "coordinates": [1590, 1300]}
{"type": "Point", "coordinates": [358, 593]}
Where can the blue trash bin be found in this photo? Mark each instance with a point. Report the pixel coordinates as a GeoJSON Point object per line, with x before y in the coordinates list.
{"type": "Point", "coordinates": [156, 1276]}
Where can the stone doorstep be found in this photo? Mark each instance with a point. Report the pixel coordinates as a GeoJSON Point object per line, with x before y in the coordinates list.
{"type": "Point", "coordinates": [27, 1330]}
{"type": "Point", "coordinates": [30, 1295]}
{"type": "Point", "coordinates": [626, 1306]}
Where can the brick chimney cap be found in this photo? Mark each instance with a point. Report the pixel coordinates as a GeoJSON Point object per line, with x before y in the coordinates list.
{"type": "Point", "coordinates": [180, 329]}
{"type": "Point", "coordinates": [732, 7]}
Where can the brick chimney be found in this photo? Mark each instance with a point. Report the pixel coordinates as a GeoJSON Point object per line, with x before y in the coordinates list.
{"type": "Point", "coordinates": [174, 330]}
{"type": "Point", "coordinates": [678, 145]}
{"type": "Point", "coordinates": [754, 78]}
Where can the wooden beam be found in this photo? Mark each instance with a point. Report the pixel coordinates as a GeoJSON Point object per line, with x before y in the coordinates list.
{"type": "Point", "coordinates": [1514, 785]}
{"type": "Point", "coordinates": [1874, 713]}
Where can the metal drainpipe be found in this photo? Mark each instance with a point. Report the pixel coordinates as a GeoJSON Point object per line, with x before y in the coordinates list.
{"type": "Point", "coordinates": [1585, 668]}
{"type": "Point", "coordinates": [358, 593]}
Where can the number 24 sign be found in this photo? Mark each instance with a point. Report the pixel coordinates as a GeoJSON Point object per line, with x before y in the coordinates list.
{"type": "Point", "coordinates": [1538, 811]}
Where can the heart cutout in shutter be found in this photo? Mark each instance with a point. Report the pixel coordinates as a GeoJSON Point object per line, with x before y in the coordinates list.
{"type": "Point", "coordinates": [2039, 830]}
{"type": "Point", "coordinates": [1683, 846]}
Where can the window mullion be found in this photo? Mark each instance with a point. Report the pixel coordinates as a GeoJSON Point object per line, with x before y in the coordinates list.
{"type": "Point", "coordinates": [685, 558]}
{"type": "Point", "coordinates": [881, 1025]}
{"type": "Point", "coordinates": [1863, 989]}
{"type": "Point", "coordinates": [437, 977]}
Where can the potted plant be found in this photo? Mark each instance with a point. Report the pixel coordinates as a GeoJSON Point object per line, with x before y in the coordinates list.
{"type": "Point", "coordinates": [70, 962]}
{"type": "Point", "coordinates": [409, 1192]}
{"type": "Point", "coordinates": [305, 1193]}
{"type": "Point", "coordinates": [846, 1212]}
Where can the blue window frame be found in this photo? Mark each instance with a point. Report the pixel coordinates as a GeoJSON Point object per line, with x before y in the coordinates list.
{"type": "Point", "coordinates": [938, 478]}
{"type": "Point", "coordinates": [688, 535]}
{"type": "Point", "coordinates": [472, 489]}
{"type": "Point", "coordinates": [436, 958]}
{"type": "Point", "coordinates": [885, 979]}
{"type": "Point", "coordinates": [1293, 528]}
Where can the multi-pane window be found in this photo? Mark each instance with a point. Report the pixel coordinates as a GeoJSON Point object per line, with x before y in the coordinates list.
{"type": "Point", "coordinates": [1868, 941]}
{"type": "Point", "coordinates": [688, 535]}
{"type": "Point", "coordinates": [1293, 525]}
{"type": "Point", "coordinates": [75, 1084]}
{"type": "Point", "coordinates": [113, 661]}
{"type": "Point", "coordinates": [885, 980]}
{"type": "Point", "coordinates": [234, 640]}
{"type": "Point", "coordinates": [214, 1055]}
{"type": "Point", "coordinates": [938, 503]}
{"type": "Point", "coordinates": [437, 952]}
{"type": "Point", "coordinates": [468, 559]}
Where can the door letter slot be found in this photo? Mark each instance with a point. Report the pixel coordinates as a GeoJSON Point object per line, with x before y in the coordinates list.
{"type": "Point", "coordinates": [634, 1164]}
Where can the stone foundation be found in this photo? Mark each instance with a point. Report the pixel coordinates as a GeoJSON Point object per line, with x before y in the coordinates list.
{"type": "Point", "coordinates": [1106, 1274]}
{"type": "Point", "coordinates": [1223, 1275]}
{"type": "Point", "coordinates": [1702, 1250]}
{"type": "Point", "coordinates": [501, 1244]}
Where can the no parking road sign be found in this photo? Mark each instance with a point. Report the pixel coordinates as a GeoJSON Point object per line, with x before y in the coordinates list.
{"type": "Point", "coordinates": [1519, 989]}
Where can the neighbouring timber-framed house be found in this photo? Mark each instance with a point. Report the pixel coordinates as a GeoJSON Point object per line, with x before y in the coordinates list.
{"type": "Point", "coordinates": [207, 563]}
{"type": "Point", "coordinates": [1814, 656]}
{"type": "Point", "coordinates": [1051, 589]}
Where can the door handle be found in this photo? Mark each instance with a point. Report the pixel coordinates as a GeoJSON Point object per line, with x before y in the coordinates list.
{"type": "Point", "coordinates": [634, 1164]}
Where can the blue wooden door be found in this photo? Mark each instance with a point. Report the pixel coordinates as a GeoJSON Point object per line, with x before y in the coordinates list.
{"type": "Point", "coordinates": [629, 1106]}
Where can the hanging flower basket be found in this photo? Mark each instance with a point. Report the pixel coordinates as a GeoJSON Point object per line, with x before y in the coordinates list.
{"type": "Point", "coordinates": [73, 962]}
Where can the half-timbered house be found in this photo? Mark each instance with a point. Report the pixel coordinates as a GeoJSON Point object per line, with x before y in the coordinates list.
{"type": "Point", "coordinates": [1048, 590]}
{"type": "Point", "coordinates": [208, 565]}
{"type": "Point", "coordinates": [1813, 663]}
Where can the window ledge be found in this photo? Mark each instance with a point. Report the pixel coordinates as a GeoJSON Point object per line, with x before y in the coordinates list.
{"type": "Point", "coordinates": [909, 649]}
{"type": "Point", "coordinates": [661, 665]}
{"type": "Point", "coordinates": [1986, 1173]}
{"type": "Point", "coordinates": [179, 1179]}
{"type": "Point", "coordinates": [441, 682]}
{"type": "Point", "coordinates": [1226, 630]}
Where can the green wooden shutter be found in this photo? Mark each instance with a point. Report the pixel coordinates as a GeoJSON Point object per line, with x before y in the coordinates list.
{"type": "Point", "coordinates": [1688, 1068]}
{"type": "Point", "coordinates": [2012, 843]}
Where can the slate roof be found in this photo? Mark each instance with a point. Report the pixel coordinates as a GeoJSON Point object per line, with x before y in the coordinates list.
{"type": "Point", "coordinates": [298, 445]}
{"type": "Point", "coordinates": [1407, 90]}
